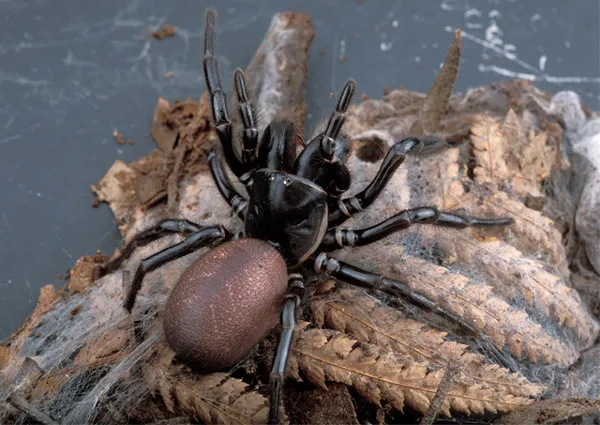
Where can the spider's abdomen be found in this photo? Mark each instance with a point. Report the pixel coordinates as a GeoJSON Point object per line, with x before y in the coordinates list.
{"type": "Point", "coordinates": [225, 303]}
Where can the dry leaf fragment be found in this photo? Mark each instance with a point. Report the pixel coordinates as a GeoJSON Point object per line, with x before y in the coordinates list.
{"type": "Point", "coordinates": [118, 138]}
{"type": "Point", "coordinates": [437, 99]}
{"type": "Point", "coordinates": [473, 300]}
{"type": "Point", "coordinates": [488, 148]}
{"type": "Point", "coordinates": [214, 398]}
{"type": "Point", "coordinates": [370, 321]}
{"type": "Point", "coordinates": [117, 188]}
{"type": "Point", "coordinates": [164, 132]}
{"type": "Point", "coordinates": [81, 274]}
{"type": "Point", "coordinates": [520, 277]}
{"type": "Point", "coordinates": [380, 375]}
{"type": "Point", "coordinates": [521, 163]}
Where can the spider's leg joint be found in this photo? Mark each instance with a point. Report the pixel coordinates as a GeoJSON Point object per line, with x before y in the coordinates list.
{"type": "Point", "coordinates": [331, 264]}
{"type": "Point", "coordinates": [238, 204]}
{"type": "Point", "coordinates": [247, 179]}
{"type": "Point", "coordinates": [349, 206]}
{"type": "Point", "coordinates": [345, 237]}
{"type": "Point", "coordinates": [296, 288]}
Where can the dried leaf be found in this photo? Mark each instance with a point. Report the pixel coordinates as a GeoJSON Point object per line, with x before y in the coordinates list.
{"type": "Point", "coordinates": [164, 132]}
{"type": "Point", "coordinates": [474, 301]}
{"type": "Point", "coordinates": [526, 279]}
{"type": "Point", "coordinates": [537, 234]}
{"type": "Point", "coordinates": [4, 356]}
{"type": "Point", "coordinates": [48, 297]}
{"type": "Point", "coordinates": [507, 155]}
{"type": "Point", "coordinates": [488, 148]}
{"type": "Point", "coordinates": [82, 274]}
{"type": "Point", "coordinates": [215, 398]}
{"type": "Point", "coordinates": [109, 343]}
{"type": "Point", "coordinates": [437, 99]}
{"type": "Point", "coordinates": [378, 374]}
{"type": "Point", "coordinates": [370, 321]}
{"type": "Point", "coordinates": [117, 188]}
{"type": "Point", "coordinates": [164, 32]}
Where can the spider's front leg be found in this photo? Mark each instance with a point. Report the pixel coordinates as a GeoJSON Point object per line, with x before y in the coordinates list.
{"type": "Point", "coordinates": [347, 207]}
{"type": "Point", "coordinates": [338, 238]}
{"type": "Point", "coordinates": [288, 320]}
{"type": "Point", "coordinates": [219, 106]}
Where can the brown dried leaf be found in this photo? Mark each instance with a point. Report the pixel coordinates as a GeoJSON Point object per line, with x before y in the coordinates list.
{"type": "Point", "coordinates": [81, 274]}
{"type": "Point", "coordinates": [437, 99]}
{"type": "Point", "coordinates": [370, 321]}
{"type": "Point", "coordinates": [109, 343]}
{"type": "Point", "coordinates": [117, 188]}
{"type": "Point", "coordinates": [164, 32]}
{"type": "Point", "coordinates": [215, 398]}
{"type": "Point", "coordinates": [4, 356]}
{"type": "Point", "coordinates": [488, 148]}
{"type": "Point", "coordinates": [476, 302]}
{"type": "Point", "coordinates": [508, 155]}
{"type": "Point", "coordinates": [536, 233]}
{"type": "Point", "coordinates": [48, 297]}
{"type": "Point", "coordinates": [526, 278]}
{"type": "Point", "coordinates": [164, 132]}
{"type": "Point", "coordinates": [378, 374]}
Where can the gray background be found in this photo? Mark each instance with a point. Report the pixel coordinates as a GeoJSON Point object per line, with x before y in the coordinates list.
{"type": "Point", "coordinates": [71, 72]}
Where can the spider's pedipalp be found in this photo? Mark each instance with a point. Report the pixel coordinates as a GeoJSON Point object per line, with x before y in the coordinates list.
{"type": "Point", "coordinates": [336, 121]}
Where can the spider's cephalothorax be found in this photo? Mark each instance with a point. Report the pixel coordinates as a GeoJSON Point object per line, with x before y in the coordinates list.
{"type": "Point", "coordinates": [232, 296]}
{"type": "Point", "coordinates": [287, 211]}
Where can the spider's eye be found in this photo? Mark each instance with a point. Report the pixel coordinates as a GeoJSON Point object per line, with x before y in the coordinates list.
{"type": "Point", "coordinates": [272, 178]}
{"type": "Point", "coordinates": [287, 181]}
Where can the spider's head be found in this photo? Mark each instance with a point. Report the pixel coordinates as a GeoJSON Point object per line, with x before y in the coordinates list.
{"type": "Point", "coordinates": [287, 211]}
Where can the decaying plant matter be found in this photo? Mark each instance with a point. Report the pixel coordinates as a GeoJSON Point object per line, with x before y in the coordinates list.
{"type": "Point", "coordinates": [81, 358]}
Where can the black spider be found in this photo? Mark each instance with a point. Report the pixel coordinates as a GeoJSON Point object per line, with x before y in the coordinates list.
{"type": "Point", "coordinates": [294, 203]}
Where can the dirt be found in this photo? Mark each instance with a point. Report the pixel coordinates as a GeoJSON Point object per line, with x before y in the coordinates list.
{"type": "Point", "coordinates": [310, 405]}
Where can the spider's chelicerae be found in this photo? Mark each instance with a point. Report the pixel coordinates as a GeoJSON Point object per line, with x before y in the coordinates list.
{"type": "Point", "coordinates": [233, 295]}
